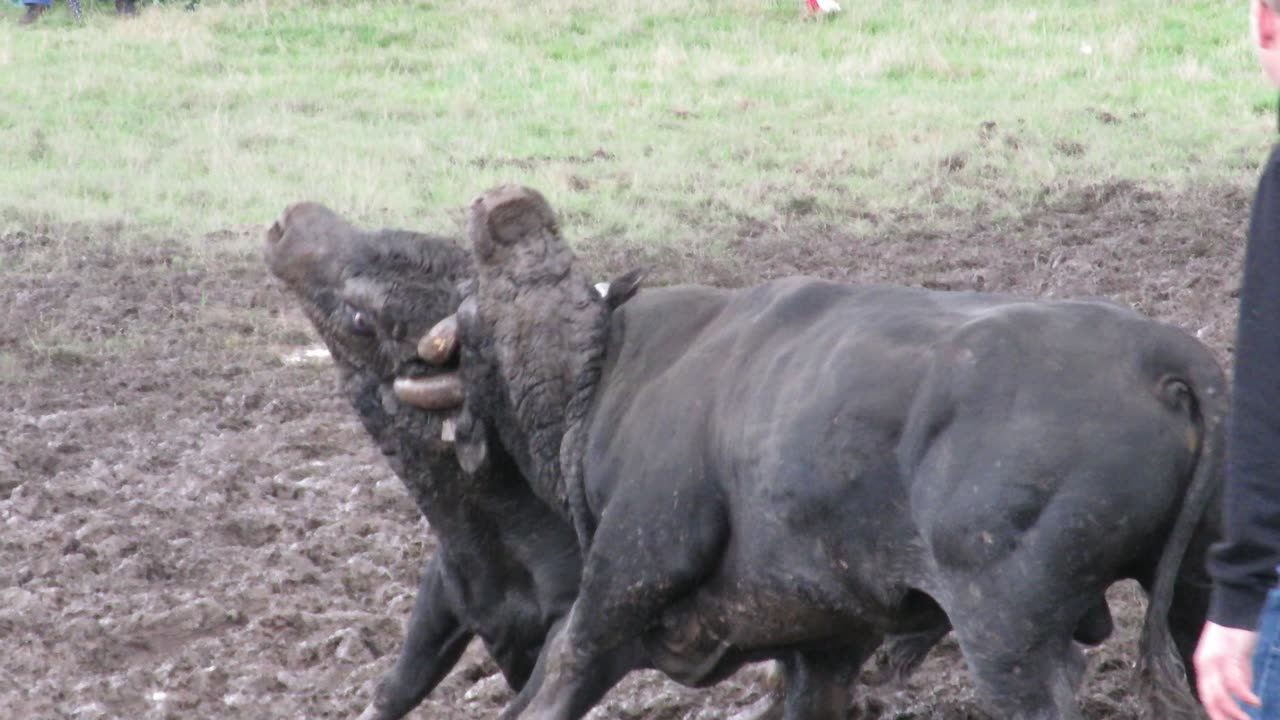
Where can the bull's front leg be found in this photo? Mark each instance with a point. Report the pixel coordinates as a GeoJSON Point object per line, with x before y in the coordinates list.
{"type": "Point", "coordinates": [606, 674]}
{"type": "Point", "coordinates": [436, 638]}
{"type": "Point", "coordinates": [645, 555]}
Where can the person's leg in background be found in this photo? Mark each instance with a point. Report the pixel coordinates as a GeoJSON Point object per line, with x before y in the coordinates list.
{"type": "Point", "coordinates": [35, 8]}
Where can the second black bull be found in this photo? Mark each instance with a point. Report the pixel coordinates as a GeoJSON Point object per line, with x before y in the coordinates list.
{"type": "Point", "coordinates": [799, 469]}
{"type": "Point", "coordinates": [507, 567]}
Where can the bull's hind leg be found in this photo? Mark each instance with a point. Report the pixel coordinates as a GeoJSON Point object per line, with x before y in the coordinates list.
{"type": "Point", "coordinates": [1186, 620]}
{"type": "Point", "coordinates": [903, 653]}
{"type": "Point", "coordinates": [1025, 678]}
{"type": "Point", "coordinates": [1189, 607]}
{"type": "Point", "coordinates": [646, 554]}
{"type": "Point", "coordinates": [815, 687]}
{"type": "Point", "coordinates": [817, 684]}
{"type": "Point", "coordinates": [1016, 638]}
{"type": "Point", "coordinates": [1017, 618]}
{"type": "Point", "coordinates": [1022, 671]}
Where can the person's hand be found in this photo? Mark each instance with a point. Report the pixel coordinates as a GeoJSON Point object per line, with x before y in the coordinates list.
{"type": "Point", "coordinates": [1224, 671]}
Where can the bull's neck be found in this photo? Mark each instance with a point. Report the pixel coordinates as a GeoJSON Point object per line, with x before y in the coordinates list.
{"type": "Point", "coordinates": [587, 382]}
{"type": "Point", "coordinates": [411, 444]}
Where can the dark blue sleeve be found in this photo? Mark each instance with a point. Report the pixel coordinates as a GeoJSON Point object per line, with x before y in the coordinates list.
{"type": "Point", "coordinates": [1244, 563]}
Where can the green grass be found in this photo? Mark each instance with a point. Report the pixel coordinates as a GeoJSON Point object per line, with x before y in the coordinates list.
{"type": "Point", "coordinates": [650, 119]}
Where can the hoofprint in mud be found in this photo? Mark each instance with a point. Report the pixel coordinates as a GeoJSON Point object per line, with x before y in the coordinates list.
{"type": "Point", "coordinates": [796, 470]}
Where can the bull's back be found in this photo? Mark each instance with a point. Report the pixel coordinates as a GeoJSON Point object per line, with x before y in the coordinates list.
{"type": "Point", "coordinates": [794, 395]}
{"type": "Point", "coordinates": [791, 404]}
{"type": "Point", "coordinates": [787, 396]}
{"type": "Point", "coordinates": [724, 377]}
{"type": "Point", "coordinates": [769, 361]}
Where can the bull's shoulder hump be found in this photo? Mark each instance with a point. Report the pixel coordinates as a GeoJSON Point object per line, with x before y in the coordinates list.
{"type": "Point", "coordinates": [663, 307]}
{"type": "Point", "coordinates": [661, 319]}
{"type": "Point", "coordinates": [798, 300]}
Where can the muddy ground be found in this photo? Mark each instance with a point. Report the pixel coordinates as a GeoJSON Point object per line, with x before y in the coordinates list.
{"type": "Point", "coordinates": [195, 527]}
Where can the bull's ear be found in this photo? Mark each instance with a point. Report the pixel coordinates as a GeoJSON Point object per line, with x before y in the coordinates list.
{"type": "Point", "coordinates": [624, 287]}
{"type": "Point", "coordinates": [466, 288]}
{"type": "Point", "coordinates": [470, 442]}
{"type": "Point", "coordinates": [468, 319]}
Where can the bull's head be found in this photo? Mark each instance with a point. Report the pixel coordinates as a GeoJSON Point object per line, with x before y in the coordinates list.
{"type": "Point", "coordinates": [370, 295]}
{"type": "Point", "coordinates": [533, 335]}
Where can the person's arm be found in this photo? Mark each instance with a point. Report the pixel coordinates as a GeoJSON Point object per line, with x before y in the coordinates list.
{"type": "Point", "coordinates": [1243, 565]}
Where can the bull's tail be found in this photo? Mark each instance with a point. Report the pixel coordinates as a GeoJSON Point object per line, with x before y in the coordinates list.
{"type": "Point", "coordinates": [1161, 672]}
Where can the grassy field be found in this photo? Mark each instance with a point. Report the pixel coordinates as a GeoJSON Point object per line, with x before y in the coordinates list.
{"type": "Point", "coordinates": [652, 120]}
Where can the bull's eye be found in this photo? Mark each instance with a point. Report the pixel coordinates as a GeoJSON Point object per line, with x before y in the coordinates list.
{"type": "Point", "coordinates": [359, 322]}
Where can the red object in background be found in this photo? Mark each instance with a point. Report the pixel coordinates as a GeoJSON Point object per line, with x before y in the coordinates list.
{"type": "Point", "coordinates": [822, 6]}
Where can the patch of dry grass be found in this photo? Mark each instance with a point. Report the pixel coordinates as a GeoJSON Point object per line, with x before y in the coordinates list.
{"type": "Point", "coordinates": [648, 119]}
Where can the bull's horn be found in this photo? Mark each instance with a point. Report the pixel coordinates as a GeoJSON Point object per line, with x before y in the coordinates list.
{"type": "Point", "coordinates": [440, 344]}
{"type": "Point", "coordinates": [437, 392]}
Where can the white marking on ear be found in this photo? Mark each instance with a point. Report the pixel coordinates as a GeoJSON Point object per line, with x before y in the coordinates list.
{"type": "Point", "coordinates": [603, 289]}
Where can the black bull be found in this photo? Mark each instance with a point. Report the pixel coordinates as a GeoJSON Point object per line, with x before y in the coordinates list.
{"type": "Point", "coordinates": [799, 469]}
{"type": "Point", "coordinates": [507, 568]}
